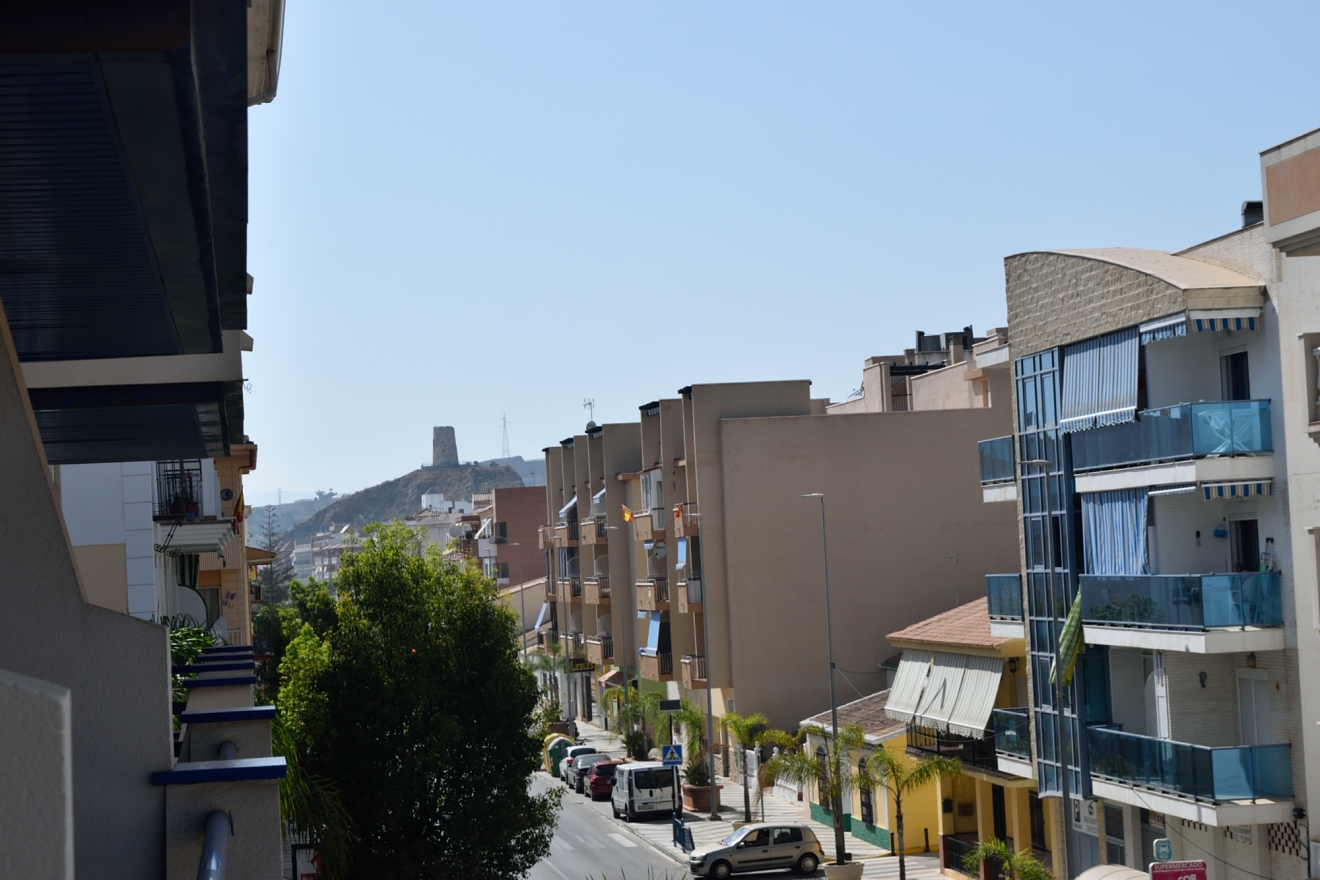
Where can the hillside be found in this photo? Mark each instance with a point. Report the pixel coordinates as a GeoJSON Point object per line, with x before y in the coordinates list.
{"type": "Point", "coordinates": [402, 497]}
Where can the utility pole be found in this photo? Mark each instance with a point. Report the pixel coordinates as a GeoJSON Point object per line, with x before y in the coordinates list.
{"type": "Point", "coordinates": [522, 597]}
{"type": "Point", "coordinates": [836, 805]}
{"type": "Point", "coordinates": [504, 424]}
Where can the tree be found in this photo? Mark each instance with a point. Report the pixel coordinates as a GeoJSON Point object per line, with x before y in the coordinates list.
{"type": "Point", "coordinates": [635, 715]}
{"type": "Point", "coordinates": [744, 729]}
{"type": "Point", "coordinates": [885, 771]}
{"type": "Point", "coordinates": [1013, 865]}
{"type": "Point", "coordinates": [414, 707]}
{"type": "Point", "coordinates": [273, 578]}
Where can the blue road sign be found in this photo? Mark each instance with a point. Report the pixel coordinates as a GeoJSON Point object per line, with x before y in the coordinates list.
{"type": "Point", "coordinates": [672, 756]}
{"type": "Point", "coordinates": [1163, 850]}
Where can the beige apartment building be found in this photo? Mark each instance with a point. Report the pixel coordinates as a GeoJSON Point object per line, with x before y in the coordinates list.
{"type": "Point", "coordinates": [715, 590]}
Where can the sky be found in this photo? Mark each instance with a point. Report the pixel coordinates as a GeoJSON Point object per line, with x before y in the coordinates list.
{"type": "Point", "coordinates": [467, 211]}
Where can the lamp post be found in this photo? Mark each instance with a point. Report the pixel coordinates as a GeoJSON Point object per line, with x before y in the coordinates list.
{"type": "Point", "coordinates": [1060, 744]}
{"type": "Point", "coordinates": [623, 630]}
{"type": "Point", "coordinates": [563, 633]}
{"type": "Point", "coordinates": [522, 597]}
{"type": "Point", "coordinates": [836, 807]}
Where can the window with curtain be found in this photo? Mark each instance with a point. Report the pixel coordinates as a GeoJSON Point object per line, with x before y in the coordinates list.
{"type": "Point", "coordinates": [1114, 531]}
{"type": "Point", "coordinates": [1100, 381]}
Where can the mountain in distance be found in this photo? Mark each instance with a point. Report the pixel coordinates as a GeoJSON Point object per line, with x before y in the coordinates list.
{"type": "Point", "coordinates": [532, 472]}
{"type": "Point", "coordinates": [402, 497]}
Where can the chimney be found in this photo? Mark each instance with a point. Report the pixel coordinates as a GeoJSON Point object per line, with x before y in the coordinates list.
{"type": "Point", "coordinates": [1252, 213]}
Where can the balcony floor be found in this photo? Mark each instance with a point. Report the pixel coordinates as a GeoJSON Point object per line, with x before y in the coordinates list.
{"type": "Point", "coordinates": [1261, 812]}
{"type": "Point", "coordinates": [1242, 468]}
{"type": "Point", "coordinates": [1211, 641]}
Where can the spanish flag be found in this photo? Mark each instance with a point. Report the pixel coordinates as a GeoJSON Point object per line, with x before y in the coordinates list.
{"type": "Point", "coordinates": [627, 514]}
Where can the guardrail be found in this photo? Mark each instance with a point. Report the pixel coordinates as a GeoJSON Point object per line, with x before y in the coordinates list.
{"type": "Point", "coordinates": [1183, 602]}
{"type": "Point", "coordinates": [1203, 773]}
{"type": "Point", "coordinates": [1188, 430]}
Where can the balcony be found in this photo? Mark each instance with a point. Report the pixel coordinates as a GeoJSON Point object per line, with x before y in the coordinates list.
{"type": "Point", "coordinates": [650, 526]}
{"type": "Point", "coordinates": [1211, 613]}
{"type": "Point", "coordinates": [687, 520]}
{"type": "Point", "coordinates": [689, 596]}
{"type": "Point", "coordinates": [1187, 443]}
{"type": "Point", "coordinates": [600, 649]}
{"type": "Point", "coordinates": [545, 537]}
{"type": "Point", "coordinates": [998, 463]}
{"type": "Point", "coordinates": [571, 585]}
{"type": "Point", "coordinates": [549, 588]}
{"type": "Point", "coordinates": [178, 490]}
{"type": "Point", "coordinates": [593, 531]}
{"type": "Point", "coordinates": [975, 753]}
{"type": "Point", "coordinates": [656, 666]}
{"type": "Point", "coordinates": [694, 672]}
{"type": "Point", "coordinates": [1250, 783]}
{"type": "Point", "coordinates": [653, 594]}
{"type": "Point", "coordinates": [566, 534]}
{"type": "Point", "coordinates": [1012, 729]}
{"type": "Point", "coordinates": [596, 590]}
{"type": "Point", "coordinates": [1003, 593]}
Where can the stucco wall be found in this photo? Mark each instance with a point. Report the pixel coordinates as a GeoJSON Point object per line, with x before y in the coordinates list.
{"type": "Point", "coordinates": [902, 493]}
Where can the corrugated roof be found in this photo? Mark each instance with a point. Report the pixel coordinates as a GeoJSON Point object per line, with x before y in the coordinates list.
{"type": "Point", "coordinates": [868, 712]}
{"type": "Point", "coordinates": [966, 626]}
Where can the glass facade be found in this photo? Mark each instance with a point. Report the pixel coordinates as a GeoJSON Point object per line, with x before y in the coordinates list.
{"type": "Point", "coordinates": [1051, 520]}
{"type": "Point", "coordinates": [996, 459]}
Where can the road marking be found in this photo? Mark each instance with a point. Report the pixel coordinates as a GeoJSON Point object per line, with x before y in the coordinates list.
{"type": "Point", "coordinates": [621, 840]}
{"type": "Point", "coordinates": [559, 843]}
{"type": "Point", "coordinates": [594, 844]}
{"type": "Point", "coordinates": [551, 866]}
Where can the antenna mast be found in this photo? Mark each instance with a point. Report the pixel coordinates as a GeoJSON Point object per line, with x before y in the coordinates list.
{"type": "Point", "coordinates": [589, 404]}
{"type": "Point", "coordinates": [504, 423]}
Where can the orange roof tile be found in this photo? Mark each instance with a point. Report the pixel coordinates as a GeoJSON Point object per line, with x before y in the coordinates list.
{"type": "Point", "coordinates": [868, 713]}
{"type": "Point", "coordinates": [966, 626]}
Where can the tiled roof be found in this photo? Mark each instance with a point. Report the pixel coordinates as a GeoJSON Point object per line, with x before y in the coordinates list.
{"type": "Point", "coordinates": [868, 712]}
{"type": "Point", "coordinates": [967, 626]}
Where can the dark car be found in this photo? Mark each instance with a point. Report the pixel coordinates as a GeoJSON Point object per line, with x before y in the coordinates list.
{"type": "Point", "coordinates": [582, 764]}
{"type": "Point", "coordinates": [600, 780]}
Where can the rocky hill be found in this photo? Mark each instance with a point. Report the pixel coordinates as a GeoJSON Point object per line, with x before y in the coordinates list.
{"type": "Point", "coordinates": [402, 497]}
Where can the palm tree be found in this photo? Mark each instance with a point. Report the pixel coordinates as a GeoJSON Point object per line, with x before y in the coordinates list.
{"type": "Point", "coordinates": [548, 661]}
{"type": "Point", "coordinates": [884, 770]}
{"type": "Point", "coordinates": [634, 715]}
{"type": "Point", "coordinates": [832, 774]}
{"type": "Point", "coordinates": [1015, 865]}
{"type": "Point", "coordinates": [743, 729]}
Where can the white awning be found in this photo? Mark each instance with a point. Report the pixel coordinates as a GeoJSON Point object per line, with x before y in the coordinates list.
{"type": "Point", "coordinates": [572, 503]}
{"type": "Point", "coordinates": [980, 685]}
{"type": "Point", "coordinates": [198, 537]}
{"type": "Point", "coordinates": [937, 703]}
{"type": "Point", "coordinates": [905, 692]}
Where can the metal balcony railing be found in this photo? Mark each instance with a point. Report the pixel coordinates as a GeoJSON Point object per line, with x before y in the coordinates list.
{"type": "Point", "coordinates": [658, 586]}
{"type": "Point", "coordinates": [1188, 430]}
{"type": "Point", "coordinates": [1012, 732]}
{"type": "Point", "coordinates": [604, 644]}
{"type": "Point", "coordinates": [1183, 602]}
{"type": "Point", "coordinates": [1235, 773]}
{"type": "Point", "coordinates": [179, 489]}
{"type": "Point", "coordinates": [696, 666]}
{"type": "Point", "coordinates": [997, 460]}
{"type": "Point", "coordinates": [1004, 596]}
{"type": "Point", "coordinates": [977, 752]}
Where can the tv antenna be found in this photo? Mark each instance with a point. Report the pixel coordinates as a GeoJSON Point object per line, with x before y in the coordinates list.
{"type": "Point", "coordinates": [504, 423]}
{"type": "Point", "coordinates": [589, 404]}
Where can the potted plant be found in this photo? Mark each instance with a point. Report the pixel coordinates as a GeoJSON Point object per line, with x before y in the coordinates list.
{"type": "Point", "coordinates": [1012, 865]}
{"type": "Point", "coordinates": [697, 787]}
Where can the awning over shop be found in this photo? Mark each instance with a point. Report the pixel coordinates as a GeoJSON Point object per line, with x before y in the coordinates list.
{"type": "Point", "coordinates": [905, 692]}
{"type": "Point", "coordinates": [613, 678]}
{"type": "Point", "coordinates": [1100, 381]}
{"type": "Point", "coordinates": [1216, 491]}
{"type": "Point", "coordinates": [571, 505]}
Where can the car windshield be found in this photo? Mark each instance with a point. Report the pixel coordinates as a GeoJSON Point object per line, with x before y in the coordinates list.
{"type": "Point", "coordinates": [605, 769]}
{"type": "Point", "coordinates": [735, 837]}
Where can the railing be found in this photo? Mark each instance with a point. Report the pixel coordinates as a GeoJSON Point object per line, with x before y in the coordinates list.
{"type": "Point", "coordinates": [604, 644]}
{"type": "Point", "coordinates": [658, 587]}
{"type": "Point", "coordinates": [977, 752]}
{"type": "Point", "coordinates": [179, 489]}
{"type": "Point", "coordinates": [696, 666]}
{"type": "Point", "coordinates": [687, 515]}
{"type": "Point", "coordinates": [655, 663]}
{"type": "Point", "coordinates": [1188, 430]}
{"type": "Point", "coordinates": [1004, 596]}
{"type": "Point", "coordinates": [575, 587]}
{"type": "Point", "coordinates": [1235, 773]}
{"type": "Point", "coordinates": [693, 588]}
{"type": "Point", "coordinates": [998, 460]}
{"type": "Point", "coordinates": [1183, 602]}
{"type": "Point", "coordinates": [1012, 732]}
{"type": "Point", "coordinates": [955, 853]}
{"type": "Point", "coordinates": [597, 587]}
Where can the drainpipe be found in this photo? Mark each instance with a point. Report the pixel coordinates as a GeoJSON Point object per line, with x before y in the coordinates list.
{"type": "Point", "coordinates": [215, 846]}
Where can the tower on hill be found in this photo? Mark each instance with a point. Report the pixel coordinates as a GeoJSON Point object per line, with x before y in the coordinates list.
{"type": "Point", "coordinates": [444, 447]}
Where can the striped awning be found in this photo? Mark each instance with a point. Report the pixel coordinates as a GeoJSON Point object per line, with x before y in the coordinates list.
{"type": "Point", "coordinates": [1210, 320]}
{"type": "Point", "coordinates": [909, 683]}
{"type": "Point", "coordinates": [937, 703]}
{"type": "Point", "coordinates": [1163, 328]}
{"type": "Point", "coordinates": [976, 698]}
{"type": "Point", "coordinates": [1100, 381]}
{"type": "Point", "coordinates": [1215, 491]}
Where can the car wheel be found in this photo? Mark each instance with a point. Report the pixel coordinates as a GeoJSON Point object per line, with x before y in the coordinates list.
{"type": "Point", "coordinates": [628, 814]}
{"type": "Point", "coordinates": [807, 864]}
{"type": "Point", "coordinates": [722, 870]}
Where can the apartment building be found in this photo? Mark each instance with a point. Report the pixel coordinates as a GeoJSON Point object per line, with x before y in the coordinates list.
{"type": "Point", "coordinates": [123, 193]}
{"type": "Point", "coordinates": [721, 565]}
{"type": "Point", "coordinates": [1149, 472]}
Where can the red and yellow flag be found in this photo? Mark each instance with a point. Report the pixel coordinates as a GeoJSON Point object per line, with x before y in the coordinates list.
{"type": "Point", "coordinates": [627, 514]}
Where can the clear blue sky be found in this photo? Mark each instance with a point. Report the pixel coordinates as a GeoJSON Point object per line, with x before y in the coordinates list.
{"type": "Point", "coordinates": [465, 210]}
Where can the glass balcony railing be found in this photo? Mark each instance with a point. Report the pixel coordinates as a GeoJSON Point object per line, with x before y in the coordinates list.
{"type": "Point", "coordinates": [1004, 596]}
{"type": "Point", "coordinates": [1012, 732]}
{"type": "Point", "coordinates": [1236, 773]}
{"type": "Point", "coordinates": [1188, 430]}
{"type": "Point", "coordinates": [997, 460]}
{"type": "Point", "coordinates": [1183, 602]}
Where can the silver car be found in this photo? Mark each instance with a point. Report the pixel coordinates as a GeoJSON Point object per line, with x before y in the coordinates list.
{"type": "Point", "coordinates": [760, 847]}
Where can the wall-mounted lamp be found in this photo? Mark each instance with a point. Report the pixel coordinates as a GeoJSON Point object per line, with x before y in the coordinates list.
{"type": "Point", "coordinates": [1251, 660]}
{"type": "Point", "coordinates": [1202, 676]}
{"type": "Point", "coordinates": [1298, 813]}
{"type": "Point", "coordinates": [1013, 665]}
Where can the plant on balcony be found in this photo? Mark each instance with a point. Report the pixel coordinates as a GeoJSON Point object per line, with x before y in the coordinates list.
{"type": "Point", "coordinates": [1132, 607]}
{"type": "Point", "coordinates": [1012, 865]}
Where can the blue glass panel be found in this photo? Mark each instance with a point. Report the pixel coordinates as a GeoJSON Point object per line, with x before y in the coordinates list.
{"type": "Point", "coordinates": [1183, 602]}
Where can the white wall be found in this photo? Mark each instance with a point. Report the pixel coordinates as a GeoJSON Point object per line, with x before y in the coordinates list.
{"type": "Point", "coordinates": [111, 504]}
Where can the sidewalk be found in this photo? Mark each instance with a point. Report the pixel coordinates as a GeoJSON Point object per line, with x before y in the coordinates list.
{"type": "Point", "coordinates": [707, 833]}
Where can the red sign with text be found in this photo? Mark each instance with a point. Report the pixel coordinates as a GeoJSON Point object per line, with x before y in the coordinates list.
{"type": "Point", "coordinates": [1177, 871]}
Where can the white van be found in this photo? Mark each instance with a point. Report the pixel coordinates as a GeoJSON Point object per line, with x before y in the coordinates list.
{"type": "Point", "coordinates": [648, 787]}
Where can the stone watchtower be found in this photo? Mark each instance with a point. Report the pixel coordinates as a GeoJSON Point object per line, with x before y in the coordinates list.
{"type": "Point", "coordinates": [444, 448]}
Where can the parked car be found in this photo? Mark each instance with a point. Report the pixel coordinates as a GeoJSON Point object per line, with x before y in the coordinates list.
{"type": "Point", "coordinates": [601, 778]}
{"type": "Point", "coordinates": [648, 787]}
{"type": "Point", "coordinates": [582, 765]}
{"type": "Point", "coordinates": [567, 762]}
{"type": "Point", "coordinates": [760, 847]}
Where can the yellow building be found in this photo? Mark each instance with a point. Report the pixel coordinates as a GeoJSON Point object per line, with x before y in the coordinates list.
{"type": "Point", "coordinates": [961, 692]}
{"type": "Point", "coordinates": [872, 815]}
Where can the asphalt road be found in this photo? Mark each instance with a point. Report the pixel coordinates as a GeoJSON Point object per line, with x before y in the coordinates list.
{"type": "Point", "coordinates": [589, 844]}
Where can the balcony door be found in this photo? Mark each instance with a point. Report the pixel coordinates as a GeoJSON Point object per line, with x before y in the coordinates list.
{"type": "Point", "coordinates": [1254, 708]}
{"type": "Point", "coordinates": [1235, 376]}
{"type": "Point", "coordinates": [1244, 544]}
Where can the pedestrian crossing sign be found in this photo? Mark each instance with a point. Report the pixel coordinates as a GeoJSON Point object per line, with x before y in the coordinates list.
{"type": "Point", "coordinates": [672, 756]}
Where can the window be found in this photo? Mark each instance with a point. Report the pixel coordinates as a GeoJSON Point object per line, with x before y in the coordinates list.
{"type": "Point", "coordinates": [786, 835]}
{"type": "Point", "coordinates": [1236, 379]}
{"type": "Point", "coordinates": [1037, 813]}
{"type": "Point", "coordinates": [868, 809]}
{"type": "Point", "coordinates": [501, 530]}
{"type": "Point", "coordinates": [502, 570]}
{"type": "Point", "coordinates": [1115, 845]}
{"type": "Point", "coordinates": [1244, 538]}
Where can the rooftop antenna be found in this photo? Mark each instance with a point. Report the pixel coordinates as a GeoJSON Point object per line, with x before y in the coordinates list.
{"type": "Point", "coordinates": [589, 404]}
{"type": "Point", "coordinates": [504, 423]}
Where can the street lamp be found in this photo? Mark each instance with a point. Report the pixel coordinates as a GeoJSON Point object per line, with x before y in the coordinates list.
{"type": "Point", "coordinates": [1060, 744]}
{"type": "Point", "coordinates": [563, 632]}
{"type": "Point", "coordinates": [836, 805]}
{"type": "Point", "coordinates": [623, 629]}
{"type": "Point", "coordinates": [522, 597]}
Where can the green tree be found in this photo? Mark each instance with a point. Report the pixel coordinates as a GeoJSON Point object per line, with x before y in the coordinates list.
{"type": "Point", "coordinates": [744, 729]}
{"type": "Point", "coordinates": [885, 771]}
{"type": "Point", "coordinates": [273, 578]}
{"type": "Point", "coordinates": [634, 715]}
{"type": "Point", "coordinates": [1013, 865]}
{"type": "Point", "coordinates": [413, 706]}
